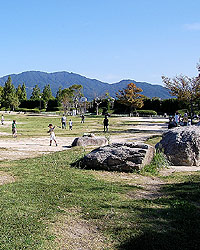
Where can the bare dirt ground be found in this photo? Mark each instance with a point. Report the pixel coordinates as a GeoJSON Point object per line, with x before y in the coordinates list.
{"type": "Point", "coordinates": [20, 148]}
{"type": "Point", "coordinates": [75, 233]}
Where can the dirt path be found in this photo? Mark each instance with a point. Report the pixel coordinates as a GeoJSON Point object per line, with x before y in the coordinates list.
{"type": "Point", "coordinates": [21, 148]}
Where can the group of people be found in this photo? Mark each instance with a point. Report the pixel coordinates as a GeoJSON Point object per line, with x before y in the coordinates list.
{"type": "Point", "coordinates": [177, 119]}
{"type": "Point", "coordinates": [51, 127]}
{"type": "Point", "coordinates": [64, 122]}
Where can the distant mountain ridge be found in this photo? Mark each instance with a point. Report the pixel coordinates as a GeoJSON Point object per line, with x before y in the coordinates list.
{"type": "Point", "coordinates": [91, 87]}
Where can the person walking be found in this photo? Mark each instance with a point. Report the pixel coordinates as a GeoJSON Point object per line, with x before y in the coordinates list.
{"type": "Point", "coordinates": [70, 124]}
{"type": "Point", "coordinates": [63, 121]}
{"type": "Point", "coordinates": [52, 134]}
{"type": "Point", "coordinates": [2, 119]}
{"type": "Point", "coordinates": [82, 118]}
{"type": "Point", "coordinates": [106, 123]}
{"type": "Point", "coordinates": [14, 129]}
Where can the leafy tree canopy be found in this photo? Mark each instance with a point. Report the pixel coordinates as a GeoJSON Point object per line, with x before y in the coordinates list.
{"type": "Point", "coordinates": [183, 87]}
{"type": "Point", "coordinates": [9, 96]}
{"type": "Point", "coordinates": [36, 93]}
{"type": "Point", "coordinates": [131, 96]}
{"type": "Point", "coordinates": [47, 93]}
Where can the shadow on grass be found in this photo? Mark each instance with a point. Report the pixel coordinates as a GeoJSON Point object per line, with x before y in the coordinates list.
{"type": "Point", "coordinates": [129, 131]}
{"type": "Point", "coordinates": [175, 225]}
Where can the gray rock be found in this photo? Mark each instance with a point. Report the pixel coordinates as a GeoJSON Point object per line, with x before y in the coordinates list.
{"type": "Point", "coordinates": [182, 145]}
{"type": "Point", "coordinates": [124, 157]}
{"type": "Point", "coordinates": [89, 141]}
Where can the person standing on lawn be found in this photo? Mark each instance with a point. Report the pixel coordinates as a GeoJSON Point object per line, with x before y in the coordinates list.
{"type": "Point", "coordinates": [52, 134]}
{"type": "Point", "coordinates": [63, 121]}
{"type": "Point", "coordinates": [106, 123]}
{"type": "Point", "coordinates": [70, 124]}
{"type": "Point", "coordinates": [2, 119]}
{"type": "Point", "coordinates": [14, 129]}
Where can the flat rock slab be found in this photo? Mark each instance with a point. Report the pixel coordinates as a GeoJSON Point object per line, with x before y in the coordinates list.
{"type": "Point", "coordinates": [125, 157]}
{"type": "Point", "coordinates": [182, 145]}
{"type": "Point", "coordinates": [89, 141]}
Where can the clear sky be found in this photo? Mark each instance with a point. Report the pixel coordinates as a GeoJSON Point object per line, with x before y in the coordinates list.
{"type": "Point", "coordinates": [109, 40]}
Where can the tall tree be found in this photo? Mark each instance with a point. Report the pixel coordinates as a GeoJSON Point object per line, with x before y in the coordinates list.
{"type": "Point", "coordinates": [58, 96]}
{"type": "Point", "coordinates": [9, 96]}
{"type": "Point", "coordinates": [1, 93]}
{"type": "Point", "coordinates": [23, 94]}
{"type": "Point", "coordinates": [76, 94]}
{"type": "Point", "coordinates": [19, 91]}
{"type": "Point", "coordinates": [47, 94]}
{"type": "Point", "coordinates": [66, 98]}
{"type": "Point", "coordinates": [36, 93]}
{"type": "Point", "coordinates": [131, 96]}
{"type": "Point", "coordinates": [184, 88]}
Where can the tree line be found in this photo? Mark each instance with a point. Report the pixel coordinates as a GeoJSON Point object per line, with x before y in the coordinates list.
{"type": "Point", "coordinates": [129, 100]}
{"type": "Point", "coordinates": [12, 98]}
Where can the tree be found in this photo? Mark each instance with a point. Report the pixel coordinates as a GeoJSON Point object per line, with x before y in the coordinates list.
{"type": "Point", "coordinates": [76, 94]}
{"type": "Point", "coordinates": [1, 93]}
{"type": "Point", "coordinates": [19, 91]}
{"type": "Point", "coordinates": [184, 88]}
{"type": "Point", "coordinates": [66, 98]}
{"type": "Point", "coordinates": [131, 97]}
{"type": "Point", "coordinates": [58, 96]}
{"type": "Point", "coordinates": [9, 96]}
{"type": "Point", "coordinates": [23, 94]}
{"type": "Point", "coordinates": [36, 94]}
{"type": "Point", "coordinates": [47, 94]}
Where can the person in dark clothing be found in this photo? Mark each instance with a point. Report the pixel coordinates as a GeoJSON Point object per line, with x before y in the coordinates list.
{"type": "Point", "coordinates": [82, 118]}
{"type": "Point", "coordinates": [105, 123]}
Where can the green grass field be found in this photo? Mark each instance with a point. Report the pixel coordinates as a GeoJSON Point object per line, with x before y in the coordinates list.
{"type": "Point", "coordinates": [47, 189]}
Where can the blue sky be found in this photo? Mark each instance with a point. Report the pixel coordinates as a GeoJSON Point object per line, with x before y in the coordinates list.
{"type": "Point", "coordinates": [109, 40]}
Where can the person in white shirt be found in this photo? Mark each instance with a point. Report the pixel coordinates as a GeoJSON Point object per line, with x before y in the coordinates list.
{"type": "Point", "coordinates": [177, 118]}
{"type": "Point", "coordinates": [63, 121]}
{"type": "Point", "coordinates": [70, 124]}
{"type": "Point", "coordinates": [52, 134]}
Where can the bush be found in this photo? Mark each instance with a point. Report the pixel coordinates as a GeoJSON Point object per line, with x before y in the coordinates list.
{"type": "Point", "coordinates": [146, 112]}
{"type": "Point", "coordinates": [53, 105]}
{"type": "Point", "coordinates": [182, 111]}
{"type": "Point", "coordinates": [30, 104]}
{"type": "Point", "coordinates": [28, 110]}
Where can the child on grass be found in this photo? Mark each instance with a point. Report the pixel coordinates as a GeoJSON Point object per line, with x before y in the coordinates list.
{"type": "Point", "coordinates": [70, 124]}
{"type": "Point", "coordinates": [2, 120]}
{"type": "Point", "coordinates": [14, 129]}
{"type": "Point", "coordinates": [52, 134]}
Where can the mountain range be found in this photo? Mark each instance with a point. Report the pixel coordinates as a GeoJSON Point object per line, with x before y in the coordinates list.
{"type": "Point", "coordinates": [91, 87]}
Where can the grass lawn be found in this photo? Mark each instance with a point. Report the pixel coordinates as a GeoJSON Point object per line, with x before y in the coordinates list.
{"type": "Point", "coordinates": [47, 189]}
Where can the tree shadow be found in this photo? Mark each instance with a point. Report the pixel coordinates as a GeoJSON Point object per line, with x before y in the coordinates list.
{"type": "Point", "coordinates": [175, 225]}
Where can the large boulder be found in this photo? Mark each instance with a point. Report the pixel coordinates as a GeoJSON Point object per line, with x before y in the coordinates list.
{"type": "Point", "coordinates": [124, 157]}
{"type": "Point", "coordinates": [89, 140]}
{"type": "Point", "coordinates": [182, 145]}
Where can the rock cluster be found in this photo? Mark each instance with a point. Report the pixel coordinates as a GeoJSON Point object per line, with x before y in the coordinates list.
{"type": "Point", "coordinates": [182, 146]}
{"type": "Point", "coordinates": [124, 157]}
{"type": "Point", "coordinates": [89, 140]}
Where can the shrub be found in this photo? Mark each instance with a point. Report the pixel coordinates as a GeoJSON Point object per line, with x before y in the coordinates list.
{"type": "Point", "coordinates": [28, 110]}
{"type": "Point", "coordinates": [146, 112]}
{"type": "Point", "coordinates": [182, 111]}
